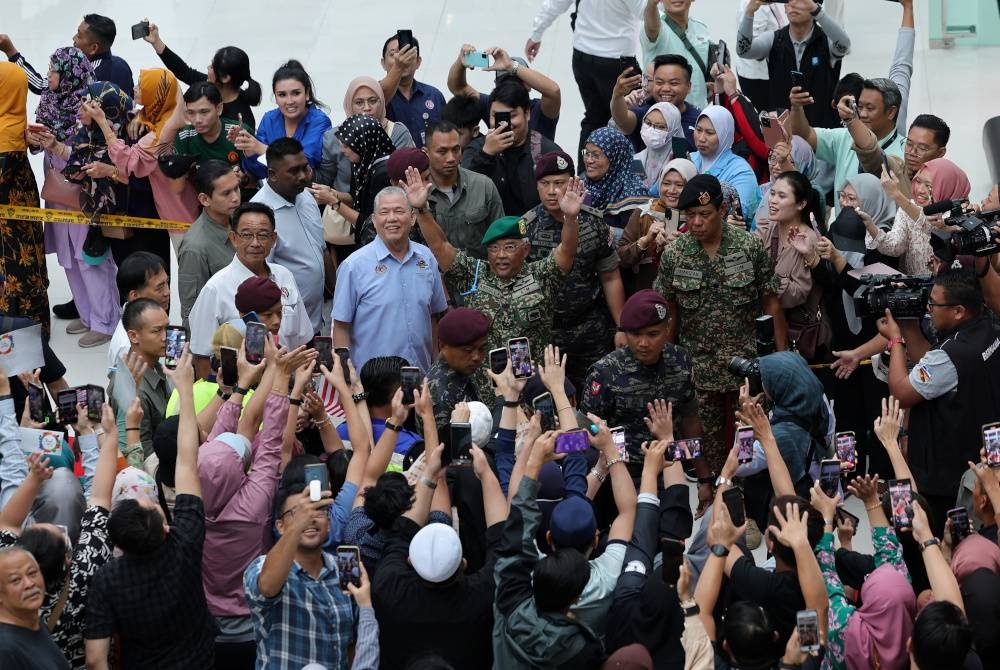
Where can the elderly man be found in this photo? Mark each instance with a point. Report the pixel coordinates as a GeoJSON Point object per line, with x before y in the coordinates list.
{"type": "Point", "coordinates": [395, 169]}
{"type": "Point", "coordinates": [24, 643]}
{"type": "Point", "coordinates": [298, 224]}
{"type": "Point", "coordinates": [389, 293]}
{"type": "Point", "coordinates": [518, 297]}
{"type": "Point", "coordinates": [451, 380]}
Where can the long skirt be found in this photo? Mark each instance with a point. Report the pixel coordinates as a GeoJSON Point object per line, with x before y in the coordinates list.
{"type": "Point", "coordinates": [22, 245]}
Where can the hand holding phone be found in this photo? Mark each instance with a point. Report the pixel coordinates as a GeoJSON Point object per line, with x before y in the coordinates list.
{"type": "Point", "coordinates": [411, 380]}
{"type": "Point", "coordinates": [991, 443]}
{"type": "Point", "coordinates": [317, 478]}
{"type": "Point", "coordinates": [476, 59]}
{"type": "Point", "coordinates": [572, 441]}
{"type": "Point", "coordinates": [901, 503]}
{"type": "Point", "coordinates": [744, 444]}
{"type": "Point", "coordinates": [520, 357]}
{"type": "Point", "coordinates": [253, 342]}
{"type": "Point", "coordinates": [733, 499]}
{"type": "Point", "coordinates": [349, 565]}
{"type": "Point", "coordinates": [140, 30]}
{"type": "Point", "coordinates": [807, 625]}
{"type": "Point", "coordinates": [176, 338]}
{"type": "Point", "coordinates": [324, 351]}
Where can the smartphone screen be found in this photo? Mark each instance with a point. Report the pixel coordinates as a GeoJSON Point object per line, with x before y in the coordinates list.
{"type": "Point", "coordinates": [744, 444]}
{"type": "Point", "coordinates": [618, 435]}
{"type": "Point", "coordinates": [344, 354]}
{"type": "Point", "coordinates": [317, 472]}
{"type": "Point", "coordinates": [807, 623]}
{"type": "Point", "coordinates": [847, 449]}
{"type": "Point", "coordinates": [348, 565]}
{"type": "Point", "coordinates": [572, 441]}
{"type": "Point", "coordinates": [734, 503]}
{"type": "Point", "coordinates": [324, 351]}
{"type": "Point", "coordinates": [66, 402]}
{"type": "Point", "coordinates": [544, 404]}
{"type": "Point", "coordinates": [411, 378]}
{"type": "Point", "coordinates": [687, 449]}
{"type": "Point", "coordinates": [960, 528]}
{"type": "Point", "coordinates": [901, 503]}
{"type": "Point", "coordinates": [229, 370]}
{"type": "Point", "coordinates": [829, 477]}
{"type": "Point", "coordinates": [991, 443]}
{"type": "Point", "coordinates": [174, 346]}
{"type": "Point", "coordinates": [253, 342]}
{"type": "Point", "coordinates": [95, 402]}
{"type": "Point", "coordinates": [501, 117]}
{"type": "Point", "coordinates": [520, 357]}
{"type": "Point", "coordinates": [498, 360]}
{"type": "Point", "coordinates": [38, 404]}
{"type": "Point", "coordinates": [461, 442]}
{"type": "Point", "coordinates": [720, 54]}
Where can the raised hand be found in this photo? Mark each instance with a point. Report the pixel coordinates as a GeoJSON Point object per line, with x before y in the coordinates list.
{"type": "Point", "coordinates": [571, 197]}
{"type": "Point", "coordinates": [887, 425]}
{"type": "Point", "coordinates": [182, 376]}
{"type": "Point", "coordinates": [553, 369]}
{"type": "Point", "coordinates": [416, 190]}
{"type": "Point", "coordinates": [660, 419]}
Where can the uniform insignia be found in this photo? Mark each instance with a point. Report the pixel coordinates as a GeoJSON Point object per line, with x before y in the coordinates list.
{"type": "Point", "coordinates": [704, 198]}
{"type": "Point", "coordinates": [635, 566]}
{"type": "Point", "coordinates": [923, 374]}
{"type": "Point", "coordinates": [421, 264]}
{"type": "Point", "coordinates": [284, 292]}
{"type": "Point", "coordinates": [661, 311]}
{"type": "Point", "coordinates": [429, 104]}
{"type": "Point", "coordinates": [381, 268]}
{"type": "Point", "coordinates": [595, 387]}
{"type": "Point", "coordinates": [522, 228]}
{"type": "Point", "coordinates": [561, 163]}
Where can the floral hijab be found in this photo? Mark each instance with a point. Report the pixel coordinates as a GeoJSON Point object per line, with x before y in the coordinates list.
{"type": "Point", "coordinates": [57, 109]}
{"type": "Point", "coordinates": [367, 138]}
{"type": "Point", "coordinates": [619, 182]}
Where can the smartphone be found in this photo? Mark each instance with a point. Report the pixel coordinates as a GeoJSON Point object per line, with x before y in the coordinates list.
{"type": "Point", "coordinates": [95, 402]}
{"type": "Point", "coordinates": [772, 130]}
{"type": "Point", "coordinates": [460, 443]}
{"type": "Point", "coordinates": [807, 623]}
{"type": "Point", "coordinates": [228, 357]}
{"type": "Point", "coordinates": [404, 38]}
{"type": "Point", "coordinates": [250, 317]}
{"type": "Point", "coordinates": [140, 30]}
{"type": "Point", "coordinates": [324, 350]}
{"type": "Point", "coordinates": [847, 449]}
{"type": "Point", "coordinates": [901, 503]}
{"type": "Point", "coordinates": [733, 498]}
{"type": "Point", "coordinates": [744, 444]}
{"type": "Point", "coordinates": [991, 443]}
{"type": "Point", "coordinates": [253, 342]}
{"type": "Point", "coordinates": [543, 403]}
{"type": "Point", "coordinates": [829, 476]}
{"type": "Point", "coordinates": [798, 79]}
{"type": "Point", "coordinates": [348, 565]}
{"type": "Point", "coordinates": [960, 527]}
{"type": "Point", "coordinates": [520, 357]}
{"type": "Point", "coordinates": [37, 128]}
{"type": "Point", "coordinates": [344, 354]}
{"type": "Point", "coordinates": [66, 402]}
{"type": "Point", "coordinates": [411, 378]}
{"type": "Point", "coordinates": [476, 59]}
{"type": "Point", "coordinates": [317, 472]}
{"type": "Point", "coordinates": [721, 55]}
{"type": "Point", "coordinates": [626, 63]}
{"type": "Point", "coordinates": [499, 117]}
{"type": "Point", "coordinates": [683, 450]}
{"type": "Point", "coordinates": [176, 339]}
{"type": "Point", "coordinates": [618, 436]}
{"type": "Point", "coordinates": [844, 515]}
{"type": "Point", "coordinates": [498, 360]}
{"type": "Point", "coordinates": [572, 441]}
{"type": "Point", "coordinates": [39, 408]}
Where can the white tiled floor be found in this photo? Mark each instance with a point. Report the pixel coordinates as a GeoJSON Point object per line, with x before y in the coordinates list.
{"type": "Point", "coordinates": [340, 40]}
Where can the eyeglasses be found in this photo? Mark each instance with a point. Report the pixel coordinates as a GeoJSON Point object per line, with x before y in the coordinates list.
{"type": "Point", "coordinates": [849, 198]}
{"type": "Point", "coordinates": [919, 149]}
{"type": "Point", "coordinates": [371, 102]}
{"type": "Point", "coordinates": [779, 159]}
{"type": "Point", "coordinates": [508, 248]}
{"type": "Point", "coordinates": [931, 304]}
{"type": "Point", "coordinates": [656, 126]}
{"type": "Point", "coordinates": [260, 237]}
{"type": "Point", "coordinates": [592, 155]}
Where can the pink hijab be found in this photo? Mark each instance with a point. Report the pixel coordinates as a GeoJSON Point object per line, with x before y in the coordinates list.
{"type": "Point", "coordinates": [352, 90]}
{"type": "Point", "coordinates": [950, 181]}
{"type": "Point", "coordinates": [883, 623]}
{"type": "Point", "coordinates": [972, 553]}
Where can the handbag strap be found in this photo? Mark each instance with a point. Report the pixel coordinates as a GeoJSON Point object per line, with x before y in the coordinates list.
{"type": "Point", "coordinates": [57, 611]}
{"type": "Point", "coordinates": [687, 45]}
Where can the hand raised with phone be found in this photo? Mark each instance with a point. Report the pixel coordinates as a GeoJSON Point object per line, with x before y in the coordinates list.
{"type": "Point", "coordinates": [498, 139]}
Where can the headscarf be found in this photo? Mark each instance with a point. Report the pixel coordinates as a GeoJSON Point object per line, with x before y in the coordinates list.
{"type": "Point", "coordinates": [805, 162]}
{"type": "Point", "coordinates": [619, 182]}
{"type": "Point", "coordinates": [13, 107]}
{"type": "Point", "coordinates": [973, 553]}
{"type": "Point", "coordinates": [725, 130]}
{"type": "Point", "coordinates": [133, 484]}
{"type": "Point", "coordinates": [656, 158]}
{"type": "Point", "coordinates": [950, 181]}
{"type": "Point", "coordinates": [159, 98]}
{"type": "Point", "coordinates": [57, 110]}
{"type": "Point", "coordinates": [682, 166]}
{"type": "Point", "coordinates": [88, 146]}
{"type": "Point", "coordinates": [629, 657]}
{"type": "Point", "coordinates": [366, 136]}
{"type": "Point", "coordinates": [872, 199]}
{"type": "Point", "coordinates": [883, 624]}
{"type": "Point", "coordinates": [352, 90]}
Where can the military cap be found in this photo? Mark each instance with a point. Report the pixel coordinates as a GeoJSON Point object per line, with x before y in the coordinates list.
{"type": "Point", "coordinates": [400, 159]}
{"type": "Point", "coordinates": [462, 326]}
{"type": "Point", "coordinates": [701, 190]}
{"type": "Point", "coordinates": [505, 228]}
{"type": "Point", "coordinates": [645, 308]}
{"type": "Point", "coordinates": [554, 162]}
{"type": "Point", "coordinates": [257, 294]}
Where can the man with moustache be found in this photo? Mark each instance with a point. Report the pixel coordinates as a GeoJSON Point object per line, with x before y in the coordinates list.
{"type": "Point", "coordinates": [25, 643]}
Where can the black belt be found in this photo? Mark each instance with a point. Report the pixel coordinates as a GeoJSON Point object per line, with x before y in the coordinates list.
{"type": "Point", "coordinates": [590, 58]}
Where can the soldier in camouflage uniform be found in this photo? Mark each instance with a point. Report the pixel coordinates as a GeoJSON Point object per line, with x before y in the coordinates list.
{"type": "Point", "coordinates": [517, 297]}
{"type": "Point", "coordinates": [717, 279]}
{"type": "Point", "coordinates": [451, 380]}
{"type": "Point", "coordinates": [588, 307]}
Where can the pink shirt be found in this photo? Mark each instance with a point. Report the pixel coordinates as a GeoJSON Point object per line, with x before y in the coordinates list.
{"type": "Point", "coordinates": [171, 204]}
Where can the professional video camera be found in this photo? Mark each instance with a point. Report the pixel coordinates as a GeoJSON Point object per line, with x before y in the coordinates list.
{"type": "Point", "coordinates": [976, 237]}
{"type": "Point", "coordinates": [750, 368]}
{"type": "Point", "coordinates": [906, 297]}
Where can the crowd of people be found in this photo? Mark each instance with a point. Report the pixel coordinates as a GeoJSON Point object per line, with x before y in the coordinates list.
{"type": "Point", "coordinates": [443, 395]}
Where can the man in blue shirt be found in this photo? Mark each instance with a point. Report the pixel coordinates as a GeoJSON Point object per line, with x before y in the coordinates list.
{"type": "Point", "coordinates": [381, 378]}
{"type": "Point", "coordinates": [408, 101]}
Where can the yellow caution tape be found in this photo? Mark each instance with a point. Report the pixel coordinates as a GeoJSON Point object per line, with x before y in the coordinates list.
{"type": "Point", "coordinates": [43, 215]}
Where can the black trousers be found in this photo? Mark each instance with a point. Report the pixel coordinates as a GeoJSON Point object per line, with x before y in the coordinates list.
{"type": "Point", "coordinates": [757, 90]}
{"type": "Point", "coordinates": [595, 77]}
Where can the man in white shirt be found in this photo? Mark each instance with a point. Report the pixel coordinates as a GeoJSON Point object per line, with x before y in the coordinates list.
{"type": "Point", "coordinates": [141, 275]}
{"type": "Point", "coordinates": [605, 33]}
{"type": "Point", "coordinates": [300, 245]}
{"type": "Point", "coordinates": [253, 235]}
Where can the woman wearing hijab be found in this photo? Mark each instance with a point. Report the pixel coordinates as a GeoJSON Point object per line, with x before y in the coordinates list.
{"type": "Point", "coordinates": [22, 246]}
{"type": "Point", "coordinates": [663, 136]}
{"type": "Point", "coordinates": [713, 136]}
{"type": "Point", "coordinates": [366, 144]}
{"type": "Point", "coordinates": [364, 96]}
{"type": "Point", "coordinates": [613, 187]}
{"type": "Point", "coordinates": [937, 180]}
{"type": "Point", "coordinates": [651, 228]}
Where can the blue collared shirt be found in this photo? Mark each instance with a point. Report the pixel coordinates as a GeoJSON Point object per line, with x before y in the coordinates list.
{"type": "Point", "coordinates": [310, 621]}
{"type": "Point", "coordinates": [424, 106]}
{"type": "Point", "coordinates": [389, 303]}
{"type": "Point", "coordinates": [300, 245]}
{"type": "Point", "coordinates": [309, 132]}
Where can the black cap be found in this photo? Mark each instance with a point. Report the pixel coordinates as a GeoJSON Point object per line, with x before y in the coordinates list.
{"type": "Point", "coordinates": [703, 189]}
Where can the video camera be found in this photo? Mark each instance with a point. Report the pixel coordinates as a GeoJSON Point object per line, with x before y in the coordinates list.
{"type": "Point", "coordinates": [906, 297]}
{"type": "Point", "coordinates": [750, 368]}
{"type": "Point", "coordinates": [976, 237]}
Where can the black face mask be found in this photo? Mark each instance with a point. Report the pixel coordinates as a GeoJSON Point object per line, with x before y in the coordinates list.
{"type": "Point", "coordinates": [847, 232]}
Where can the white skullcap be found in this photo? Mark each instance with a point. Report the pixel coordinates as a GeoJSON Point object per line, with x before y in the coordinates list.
{"type": "Point", "coordinates": [436, 552]}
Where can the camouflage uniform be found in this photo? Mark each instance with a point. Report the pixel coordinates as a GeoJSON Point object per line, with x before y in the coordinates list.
{"type": "Point", "coordinates": [581, 325]}
{"type": "Point", "coordinates": [717, 300]}
{"type": "Point", "coordinates": [521, 306]}
{"type": "Point", "coordinates": [448, 388]}
{"type": "Point", "coordinates": [619, 387]}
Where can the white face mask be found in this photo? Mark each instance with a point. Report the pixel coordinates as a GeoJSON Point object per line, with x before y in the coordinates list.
{"type": "Point", "coordinates": [653, 137]}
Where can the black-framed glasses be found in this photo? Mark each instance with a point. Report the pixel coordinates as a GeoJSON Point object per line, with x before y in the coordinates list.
{"type": "Point", "coordinates": [931, 304]}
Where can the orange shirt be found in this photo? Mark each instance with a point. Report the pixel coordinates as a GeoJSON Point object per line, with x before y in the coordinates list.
{"type": "Point", "coordinates": [13, 108]}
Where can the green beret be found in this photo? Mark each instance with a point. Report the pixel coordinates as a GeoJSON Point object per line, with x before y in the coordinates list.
{"type": "Point", "coordinates": [505, 228]}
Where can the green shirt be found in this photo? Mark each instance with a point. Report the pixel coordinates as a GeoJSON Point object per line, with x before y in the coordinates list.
{"type": "Point", "coordinates": [153, 392]}
{"type": "Point", "coordinates": [465, 216]}
{"type": "Point", "coordinates": [835, 146]}
{"type": "Point", "coordinates": [667, 42]}
{"type": "Point", "coordinates": [204, 250]}
{"type": "Point", "coordinates": [189, 143]}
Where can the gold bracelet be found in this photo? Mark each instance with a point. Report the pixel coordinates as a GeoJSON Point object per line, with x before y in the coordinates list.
{"type": "Point", "coordinates": [871, 507]}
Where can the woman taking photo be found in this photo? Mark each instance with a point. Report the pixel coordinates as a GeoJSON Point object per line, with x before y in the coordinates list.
{"type": "Point", "coordinates": [713, 137]}
{"type": "Point", "coordinates": [299, 115]}
{"type": "Point", "coordinates": [664, 138]}
{"type": "Point", "coordinates": [611, 184]}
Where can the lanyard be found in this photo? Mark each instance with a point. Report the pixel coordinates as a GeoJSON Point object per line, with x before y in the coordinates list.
{"type": "Point", "coordinates": [475, 281]}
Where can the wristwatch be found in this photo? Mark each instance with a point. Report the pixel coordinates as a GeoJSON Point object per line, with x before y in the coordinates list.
{"type": "Point", "coordinates": [514, 68]}
{"type": "Point", "coordinates": [391, 426]}
{"type": "Point", "coordinates": [513, 404]}
{"type": "Point", "coordinates": [723, 481]}
{"type": "Point", "coordinates": [360, 397]}
{"type": "Point", "coordinates": [719, 550]}
{"type": "Point", "coordinates": [929, 543]}
{"type": "Point", "coordinates": [222, 394]}
{"type": "Point", "coordinates": [239, 390]}
{"type": "Point", "coordinates": [690, 607]}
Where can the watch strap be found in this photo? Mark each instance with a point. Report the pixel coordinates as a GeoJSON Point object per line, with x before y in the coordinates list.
{"type": "Point", "coordinates": [720, 550]}
{"type": "Point", "coordinates": [222, 393]}
{"type": "Point", "coordinates": [391, 426]}
{"type": "Point", "coordinates": [239, 390]}
{"type": "Point", "coordinates": [360, 397]}
{"type": "Point", "coordinates": [513, 404]}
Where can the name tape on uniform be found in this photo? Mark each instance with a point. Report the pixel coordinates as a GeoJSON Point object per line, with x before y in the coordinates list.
{"type": "Point", "coordinates": [43, 215]}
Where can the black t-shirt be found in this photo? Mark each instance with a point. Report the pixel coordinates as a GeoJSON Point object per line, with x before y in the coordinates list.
{"type": "Point", "coordinates": [777, 592]}
{"type": "Point", "coordinates": [24, 649]}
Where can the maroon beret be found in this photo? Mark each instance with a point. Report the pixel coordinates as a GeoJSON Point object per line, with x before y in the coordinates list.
{"type": "Point", "coordinates": [462, 326]}
{"type": "Point", "coordinates": [400, 159]}
{"type": "Point", "coordinates": [257, 294]}
{"type": "Point", "coordinates": [554, 162]}
{"type": "Point", "coordinates": [644, 308]}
